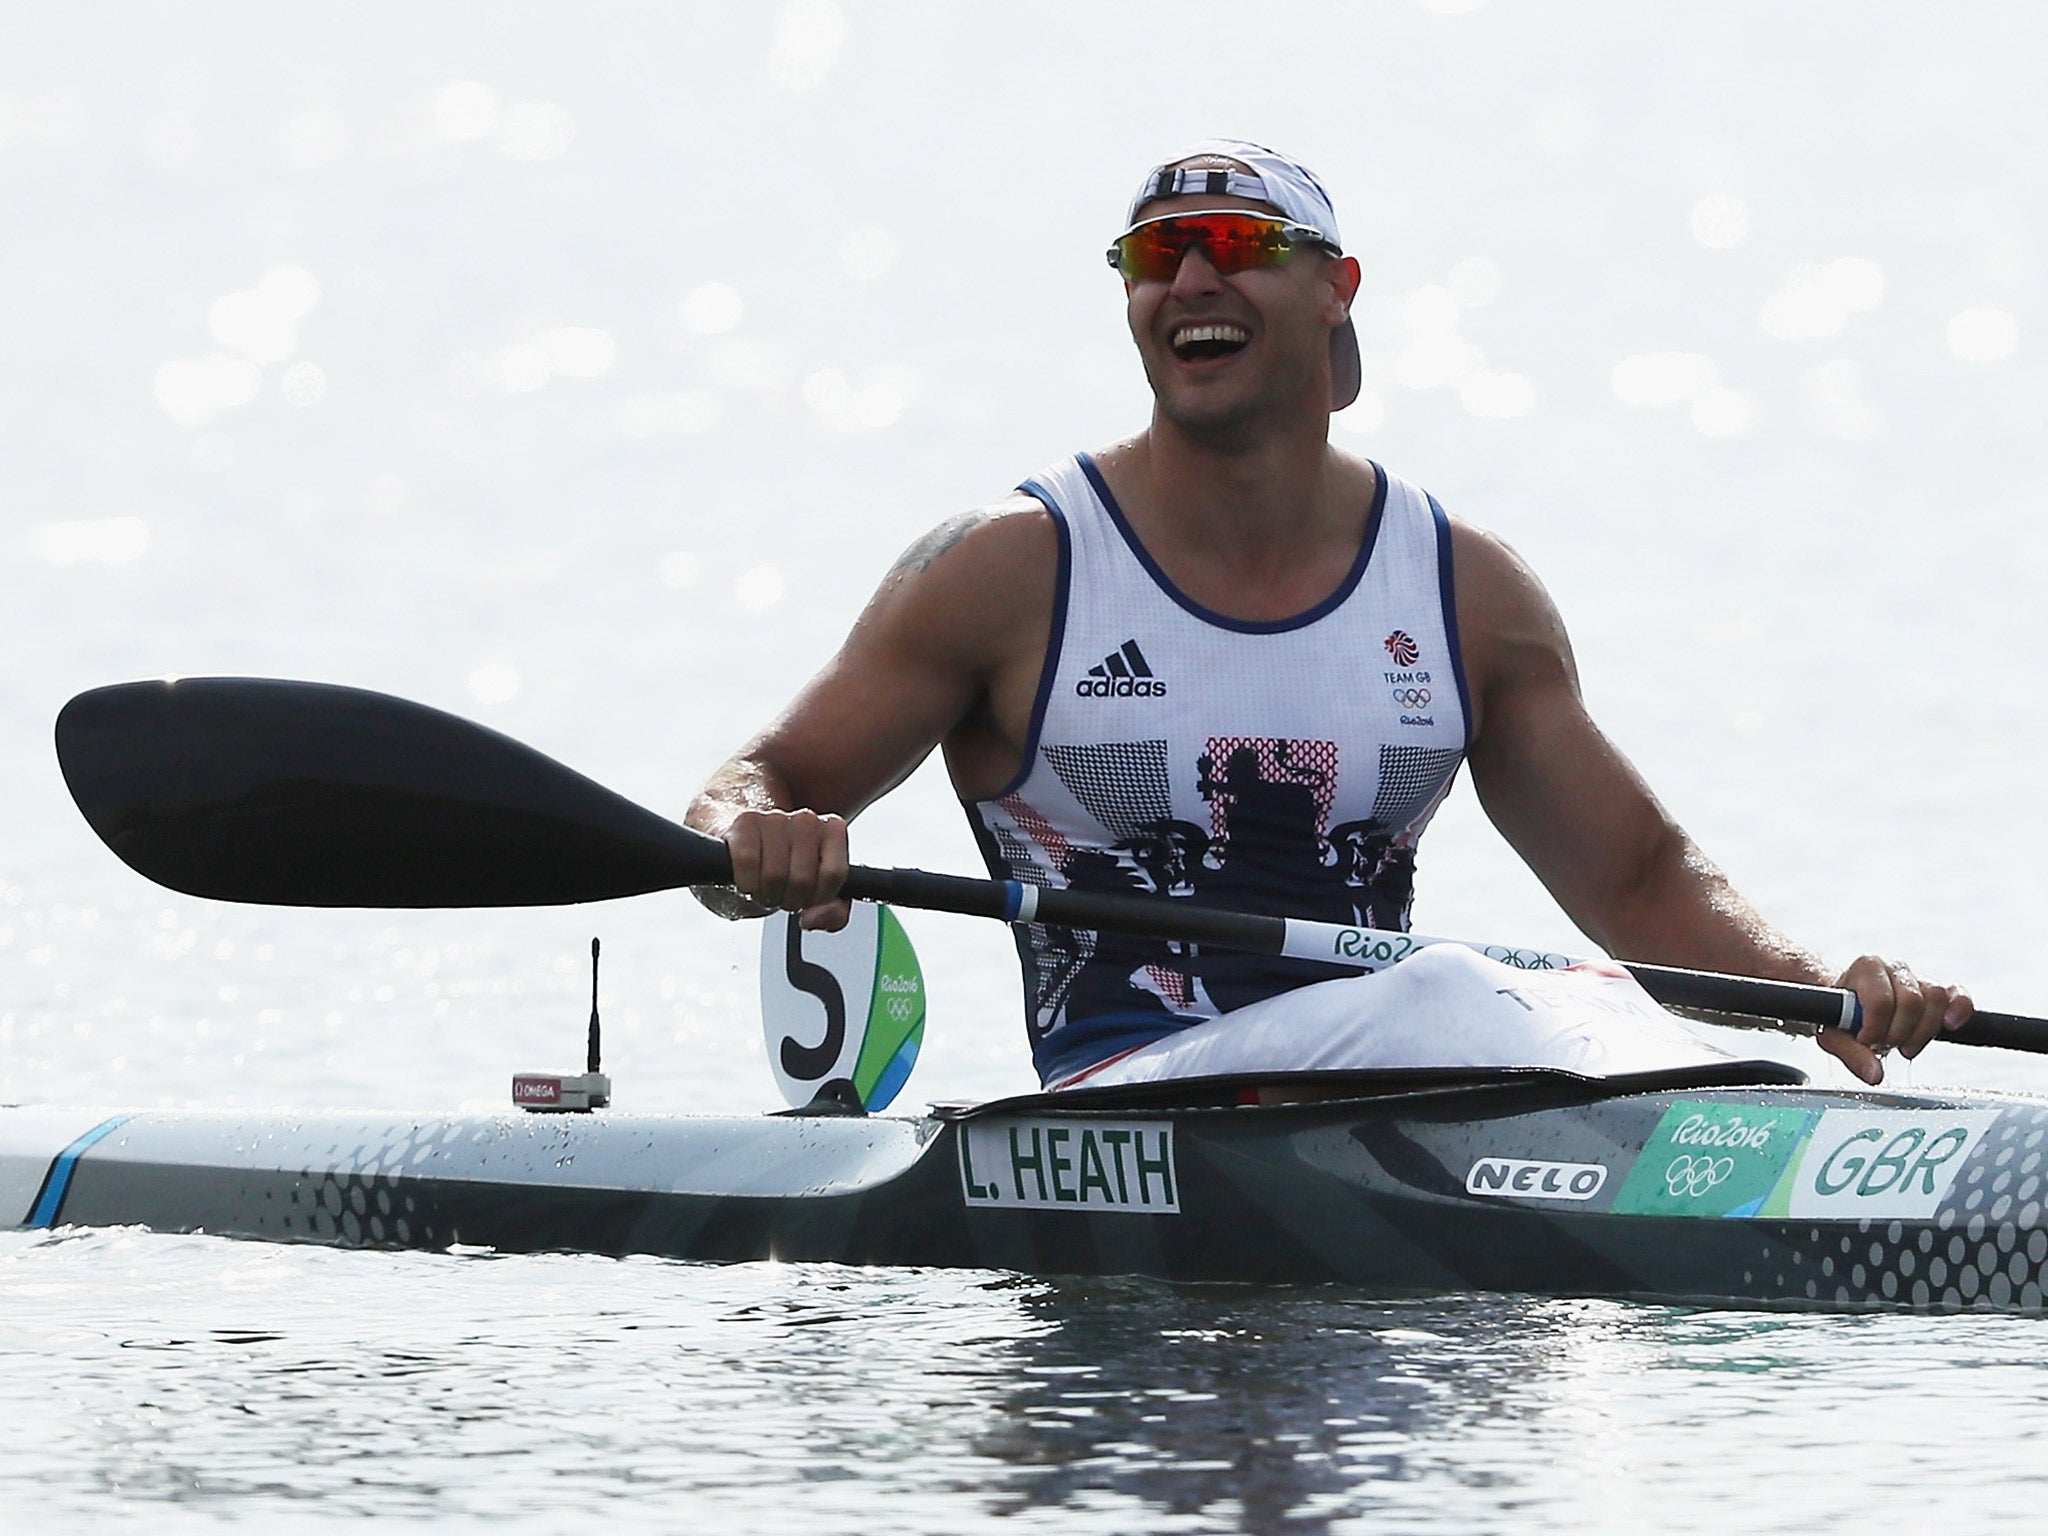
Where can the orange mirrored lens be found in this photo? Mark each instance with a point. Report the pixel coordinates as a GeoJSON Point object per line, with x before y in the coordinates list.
{"type": "Point", "coordinates": [1232, 242]}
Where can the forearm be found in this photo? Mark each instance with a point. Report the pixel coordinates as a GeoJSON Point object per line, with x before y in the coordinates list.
{"type": "Point", "coordinates": [1681, 909]}
{"type": "Point", "coordinates": [744, 783]}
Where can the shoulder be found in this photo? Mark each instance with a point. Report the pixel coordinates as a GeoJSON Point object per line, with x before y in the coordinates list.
{"type": "Point", "coordinates": [1018, 524]}
{"type": "Point", "coordinates": [1498, 590]}
{"type": "Point", "coordinates": [970, 587]}
{"type": "Point", "coordinates": [1510, 632]}
{"type": "Point", "coordinates": [1007, 542]}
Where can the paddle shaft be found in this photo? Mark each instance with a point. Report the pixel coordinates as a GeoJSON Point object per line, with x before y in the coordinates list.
{"type": "Point", "coordinates": [1374, 949]}
{"type": "Point", "coordinates": [1363, 949]}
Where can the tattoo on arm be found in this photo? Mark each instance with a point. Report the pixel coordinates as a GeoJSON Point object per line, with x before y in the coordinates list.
{"type": "Point", "coordinates": [921, 555]}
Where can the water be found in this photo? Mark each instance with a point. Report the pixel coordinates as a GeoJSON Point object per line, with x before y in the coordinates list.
{"type": "Point", "coordinates": [206, 1384]}
{"type": "Point", "coordinates": [582, 377]}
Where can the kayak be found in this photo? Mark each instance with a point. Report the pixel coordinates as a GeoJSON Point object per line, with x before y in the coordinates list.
{"type": "Point", "coordinates": [1723, 1185]}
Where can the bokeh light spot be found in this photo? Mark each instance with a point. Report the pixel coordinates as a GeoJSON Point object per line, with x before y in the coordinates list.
{"type": "Point", "coordinates": [759, 587]}
{"type": "Point", "coordinates": [99, 541]}
{"type": "Point", "coordinates": [465, 110]}
{"type": "Point", "coordinates": [1983, 335]}
{"type": "Point", "coordinates": [495, 683]}
{"type": "Point", "coordinates": [1816, 298]}
{"type": "Point", "coordinates": [844, 406]}
{"type": "Point", "coordinates": [193, 391]}
{"type": "Point", "coordinates": [807, 38]}
{"type": "Point", "coordinates": [712, 309]}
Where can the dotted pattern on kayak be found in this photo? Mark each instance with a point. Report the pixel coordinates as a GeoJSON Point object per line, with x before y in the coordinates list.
{"type": "Point", "coordinates": [1983, 1252]}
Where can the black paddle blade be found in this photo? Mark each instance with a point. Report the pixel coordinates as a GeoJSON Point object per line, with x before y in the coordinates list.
{"type": "Point", "coordinates": [308, 795]}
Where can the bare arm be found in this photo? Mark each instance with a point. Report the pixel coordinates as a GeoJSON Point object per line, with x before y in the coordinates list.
{"type": "Point", "coordinates": [1583, 819]}
{"type": "Point", "coordinates": [949, 630]}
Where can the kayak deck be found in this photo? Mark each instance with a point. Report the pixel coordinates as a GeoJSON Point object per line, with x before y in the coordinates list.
{"type": "Point", "coordinates": [1718, 1187]}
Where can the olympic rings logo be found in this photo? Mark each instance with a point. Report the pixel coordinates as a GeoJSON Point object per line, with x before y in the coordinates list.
{"type": "Point", "coordinates": [1411, 698]}
{"type": "Point", "coordinates": [1690, 1177]}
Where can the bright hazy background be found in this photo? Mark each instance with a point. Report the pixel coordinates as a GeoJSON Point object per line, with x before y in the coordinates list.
{"type": "Point", "coordinates": [580, 369]}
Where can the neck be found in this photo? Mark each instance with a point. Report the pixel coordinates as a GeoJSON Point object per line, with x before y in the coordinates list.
{"type": "Point", "coordinates": [1257, 529]}
{"type": "Point", "coordinates": [1249, 487]}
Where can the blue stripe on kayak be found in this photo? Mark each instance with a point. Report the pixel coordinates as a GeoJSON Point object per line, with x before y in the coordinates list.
{"type": "Point", "coordinates": [57, 1182]}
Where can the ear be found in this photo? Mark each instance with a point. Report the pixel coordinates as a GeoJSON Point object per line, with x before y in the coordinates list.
{"type": "Point", "coordinates": [1345, 278]}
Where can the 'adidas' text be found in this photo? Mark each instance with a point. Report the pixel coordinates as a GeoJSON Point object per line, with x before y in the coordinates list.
{"type": "Point", "coordinates": [1122, 674]}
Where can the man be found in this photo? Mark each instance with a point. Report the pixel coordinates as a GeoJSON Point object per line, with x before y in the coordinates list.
{"type": "Point", "coordinates": [1224, 660]}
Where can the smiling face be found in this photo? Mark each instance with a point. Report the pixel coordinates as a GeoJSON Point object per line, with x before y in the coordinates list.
{"type": "Point", "coordinates": [1226, 354]}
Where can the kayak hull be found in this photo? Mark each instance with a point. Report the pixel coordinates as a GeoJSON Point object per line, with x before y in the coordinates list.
{"type": "Point", "coordinates": [1690, 1191]}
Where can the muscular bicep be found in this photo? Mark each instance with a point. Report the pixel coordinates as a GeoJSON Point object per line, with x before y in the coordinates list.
{"type": "Point", "coordinates": [1560, 792]}
{"type": "Point", "coordinates": [935, 638]}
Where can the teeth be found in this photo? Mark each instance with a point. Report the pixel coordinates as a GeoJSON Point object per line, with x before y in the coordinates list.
{"type": "Point", "coordinates": [1193, 335]}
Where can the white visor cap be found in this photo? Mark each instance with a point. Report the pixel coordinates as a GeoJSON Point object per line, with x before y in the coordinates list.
{"type": "Point", "coordinates": [1287, 185]}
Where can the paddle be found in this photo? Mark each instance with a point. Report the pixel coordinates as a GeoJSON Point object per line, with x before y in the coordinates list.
{"type": "Point", "coordinates": [310, 795]}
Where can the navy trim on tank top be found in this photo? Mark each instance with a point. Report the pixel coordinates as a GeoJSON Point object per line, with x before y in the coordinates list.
{"type": "Point", "coordinates": [1374, 516]}
{"type": "Point", "coordinates": [1063, 578]}
{"type": "Point", "coordinates": [1447, 587]}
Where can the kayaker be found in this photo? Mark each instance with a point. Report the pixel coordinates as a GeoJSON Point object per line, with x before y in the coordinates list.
{"type": "Point", "coordinates": [1226, 661]}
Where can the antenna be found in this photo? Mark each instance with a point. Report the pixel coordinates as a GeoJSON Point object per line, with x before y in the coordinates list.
{"type": "Point", "coordinates": [591, 1065]}
{"type": "Point", "coordinates": [554, 1092]}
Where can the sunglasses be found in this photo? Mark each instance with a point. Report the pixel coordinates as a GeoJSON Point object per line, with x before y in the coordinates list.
{"type": "Point", "coordinates": [1232, 241]}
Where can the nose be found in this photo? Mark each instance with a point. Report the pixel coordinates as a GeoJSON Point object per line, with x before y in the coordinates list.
{"type": "Point", "coordinates": [1196, 274]}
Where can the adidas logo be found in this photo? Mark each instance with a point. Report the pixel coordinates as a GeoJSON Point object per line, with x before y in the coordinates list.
{"type": "Point", "coordinates": [1122, 674]}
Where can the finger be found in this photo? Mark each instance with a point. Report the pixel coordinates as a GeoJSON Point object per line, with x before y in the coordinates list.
{"type": "Point", "coordinates": [1960, 1006]}
{"type": "Point", "coordinates": [800, 864]}
{"type": "Point", "coordinates": [1934, 1000]}
{"type": "Point", "coordinates": [835, 858]}
{"type": "Point", "coordinates": [1871, 980]}
{"type": "Point", "coordinates": [1909, 1006]}
{"type": "Point", "coordinates": [743, 842]}
{"type": "Point", "coordinates": [1853, 1054]}
{"type": "Point", "coordinates": [830, 916]}
{"type": "Point", "coordinates": [771, 879]}
{"type": "Point", "coordinates": [818, 859]}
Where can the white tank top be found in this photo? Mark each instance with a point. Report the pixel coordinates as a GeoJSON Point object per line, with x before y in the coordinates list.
{"type": "Point", "coordinates": [1286, 767]}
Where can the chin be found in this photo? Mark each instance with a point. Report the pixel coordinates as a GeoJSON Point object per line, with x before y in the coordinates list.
{"type": "Point", "coordinates": [1228, 418]}
{"type": "Point", "coordinates": [1214, 424]}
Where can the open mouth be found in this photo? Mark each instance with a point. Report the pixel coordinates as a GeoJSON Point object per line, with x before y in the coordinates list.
{"type": "Point", "coordinates": [1212, 339]}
